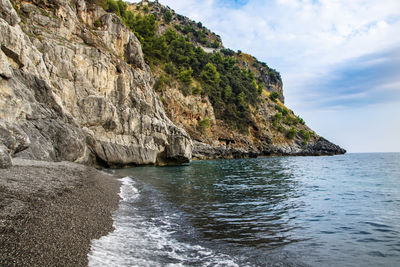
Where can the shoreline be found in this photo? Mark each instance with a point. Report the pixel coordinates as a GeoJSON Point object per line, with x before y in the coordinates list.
{"type": "Point", "coordinates": [50, 212]}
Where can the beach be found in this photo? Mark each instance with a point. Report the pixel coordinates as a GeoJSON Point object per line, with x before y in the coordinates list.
{"type": "Point", "coordinates": [50, 212]}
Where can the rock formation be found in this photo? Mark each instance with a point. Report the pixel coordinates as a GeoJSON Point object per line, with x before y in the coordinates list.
{"type": "Point", "coordinates": [74, 86]}
{"type": "Point", "coordinates": [271, 129]}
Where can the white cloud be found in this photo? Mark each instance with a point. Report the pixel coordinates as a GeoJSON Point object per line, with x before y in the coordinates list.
{"type": "Point", "coordinates": [306, 40]}
{"type": "Point", "coordinates": [293, 35]}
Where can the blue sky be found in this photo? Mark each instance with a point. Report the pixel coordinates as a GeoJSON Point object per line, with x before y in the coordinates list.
{"type": "Point", "coordinates": [339, 60]}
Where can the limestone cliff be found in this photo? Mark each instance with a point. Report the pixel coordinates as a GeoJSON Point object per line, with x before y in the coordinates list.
{"type": "Point", "coordinates": [270, 128]}
{"type": "Point", "coordinates": [76, 85]}
{"type": "Point", "coordinates": [73, 90]}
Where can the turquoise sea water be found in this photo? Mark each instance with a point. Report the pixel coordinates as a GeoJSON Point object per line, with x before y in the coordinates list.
{"type": "Point", "coordinates": [275, 211]}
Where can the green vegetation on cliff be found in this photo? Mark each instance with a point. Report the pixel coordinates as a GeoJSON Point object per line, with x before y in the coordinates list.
{"type": "Point", "coordinates": [231, 88]}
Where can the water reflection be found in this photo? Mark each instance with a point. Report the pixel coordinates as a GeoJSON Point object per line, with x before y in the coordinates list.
{"type": "Point", "coordinates": [344, 210]}
{"type": "Point", "coordinates": [236, 201]}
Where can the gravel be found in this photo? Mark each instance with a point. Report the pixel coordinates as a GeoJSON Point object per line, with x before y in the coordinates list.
{"type": "Point", "coordinates": [50, 212]}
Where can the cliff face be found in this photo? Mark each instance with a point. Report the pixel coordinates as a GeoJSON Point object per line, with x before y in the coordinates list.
{"type": "Point", "coordinates": [78, 90]}
{"type": "Point", "coordinates": [271, 129]}
{"type": "Point", "coordinates": [266, 136]}
{"type": "Point", "coordinates": [74, 85]}
{"type": "Point", "coordinates": [269, 78]}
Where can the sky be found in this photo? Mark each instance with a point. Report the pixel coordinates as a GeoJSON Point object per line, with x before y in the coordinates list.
{"type": "Point", "coordinates": [339, 60]}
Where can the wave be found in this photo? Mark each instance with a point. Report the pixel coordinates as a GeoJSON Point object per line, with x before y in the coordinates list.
{"type": "Point", "coordinates": [147, 234]}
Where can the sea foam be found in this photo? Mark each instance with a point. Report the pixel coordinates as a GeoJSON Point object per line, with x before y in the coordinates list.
{"type": "Point", "coordinates": [148, 238]}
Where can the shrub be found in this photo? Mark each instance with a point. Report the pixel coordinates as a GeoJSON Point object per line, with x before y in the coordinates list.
{"type": "Point", "coordinates": [260, 88]}
{"type": "Point", "coordinates": [97, 23]}
{"type": "Point", "coordinates": [112, 6]}
{"type": "Point", "coordinates": [188, 28]}
{"type": "Point", "coordinates": [185, 75]}
{"type": "Point", "coordinates": [285, 111]}
{"type": "Point", "coordinates": [178, 27]}
{"type": "Point", "coordinates": [298, 120]}
{"type": "Point", "coordinates": [227, 93]}
{"type": "Point", "coordinates": [227, 52]}
{"type": "Point", "coordinates": [204, 124]}
{"type": "Point", "coordinates": [210, 75]}
{"type": "Point", "coordinates": [196, 90]}
{"type": "Point", "coordinates": [163, 100]}
{"type": "Point", "coordinates": [291, 133]}
{"type": "Point", "coordinates": [274, 76]}
{"type": "Point", "coordinates": [277, 118]}
{"type": "Point", "coordinates": [215, 44]}
{"type": "Point", "coordinates": [288, 120]}
{"type": "Point", "coordinates": [274, 96]}
{"type": "Point", "coordinates": [281, 129]}
{"type": "Point", "coordinates": [167, 17]}
{"type": "Point", "coordinates": [122, 8]}
{"type": "Point", "coordinates": [305, 135]}
{"type": "Point", "coordinates": [170, 68]}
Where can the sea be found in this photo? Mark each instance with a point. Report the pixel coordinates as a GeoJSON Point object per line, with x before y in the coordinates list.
{"type": "Point", "coordinates": [275, 211]}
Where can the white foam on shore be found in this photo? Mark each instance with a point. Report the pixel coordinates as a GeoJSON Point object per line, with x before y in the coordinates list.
{"type": "Point", "coordinates": [144, 241]}
{"type": "Point", "coordinates": [128, 191]}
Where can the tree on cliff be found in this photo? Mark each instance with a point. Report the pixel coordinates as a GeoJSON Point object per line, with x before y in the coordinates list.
{"type": "Point", "coordinates": [210, 77]}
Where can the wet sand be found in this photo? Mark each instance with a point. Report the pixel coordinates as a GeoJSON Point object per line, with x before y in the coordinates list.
{"type": "Point", "coordinates": [50, 212]}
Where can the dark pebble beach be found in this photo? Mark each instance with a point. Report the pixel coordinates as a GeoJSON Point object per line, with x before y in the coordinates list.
{"type": "Point", "coordinates": [50, 212]}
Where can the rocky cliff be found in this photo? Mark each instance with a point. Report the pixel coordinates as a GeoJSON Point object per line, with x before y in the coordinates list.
{"type": "Point", "coordinates": [70, 90]}
{"type": "Point", "coordinates": [270, 128]}
{"type": "Point", "coordinates": [75, 86]}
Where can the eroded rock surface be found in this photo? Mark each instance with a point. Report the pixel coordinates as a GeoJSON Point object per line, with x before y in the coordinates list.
{"type": "Point", "coordinates": [70, 90]}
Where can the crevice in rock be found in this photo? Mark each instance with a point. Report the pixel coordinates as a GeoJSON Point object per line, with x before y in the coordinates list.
{"type": "Point", "coordinates": [100, 162]}
{"type": "Point", "coordinates": [12, 55]}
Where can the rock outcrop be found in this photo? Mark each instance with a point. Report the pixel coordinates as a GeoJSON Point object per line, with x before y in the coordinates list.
{"type": "Point", "coordinates": [74, 86]}
{"type": "Point", "coordinates": [264, 138]}
{"type": "Point", "coordinates": [210, 115]}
